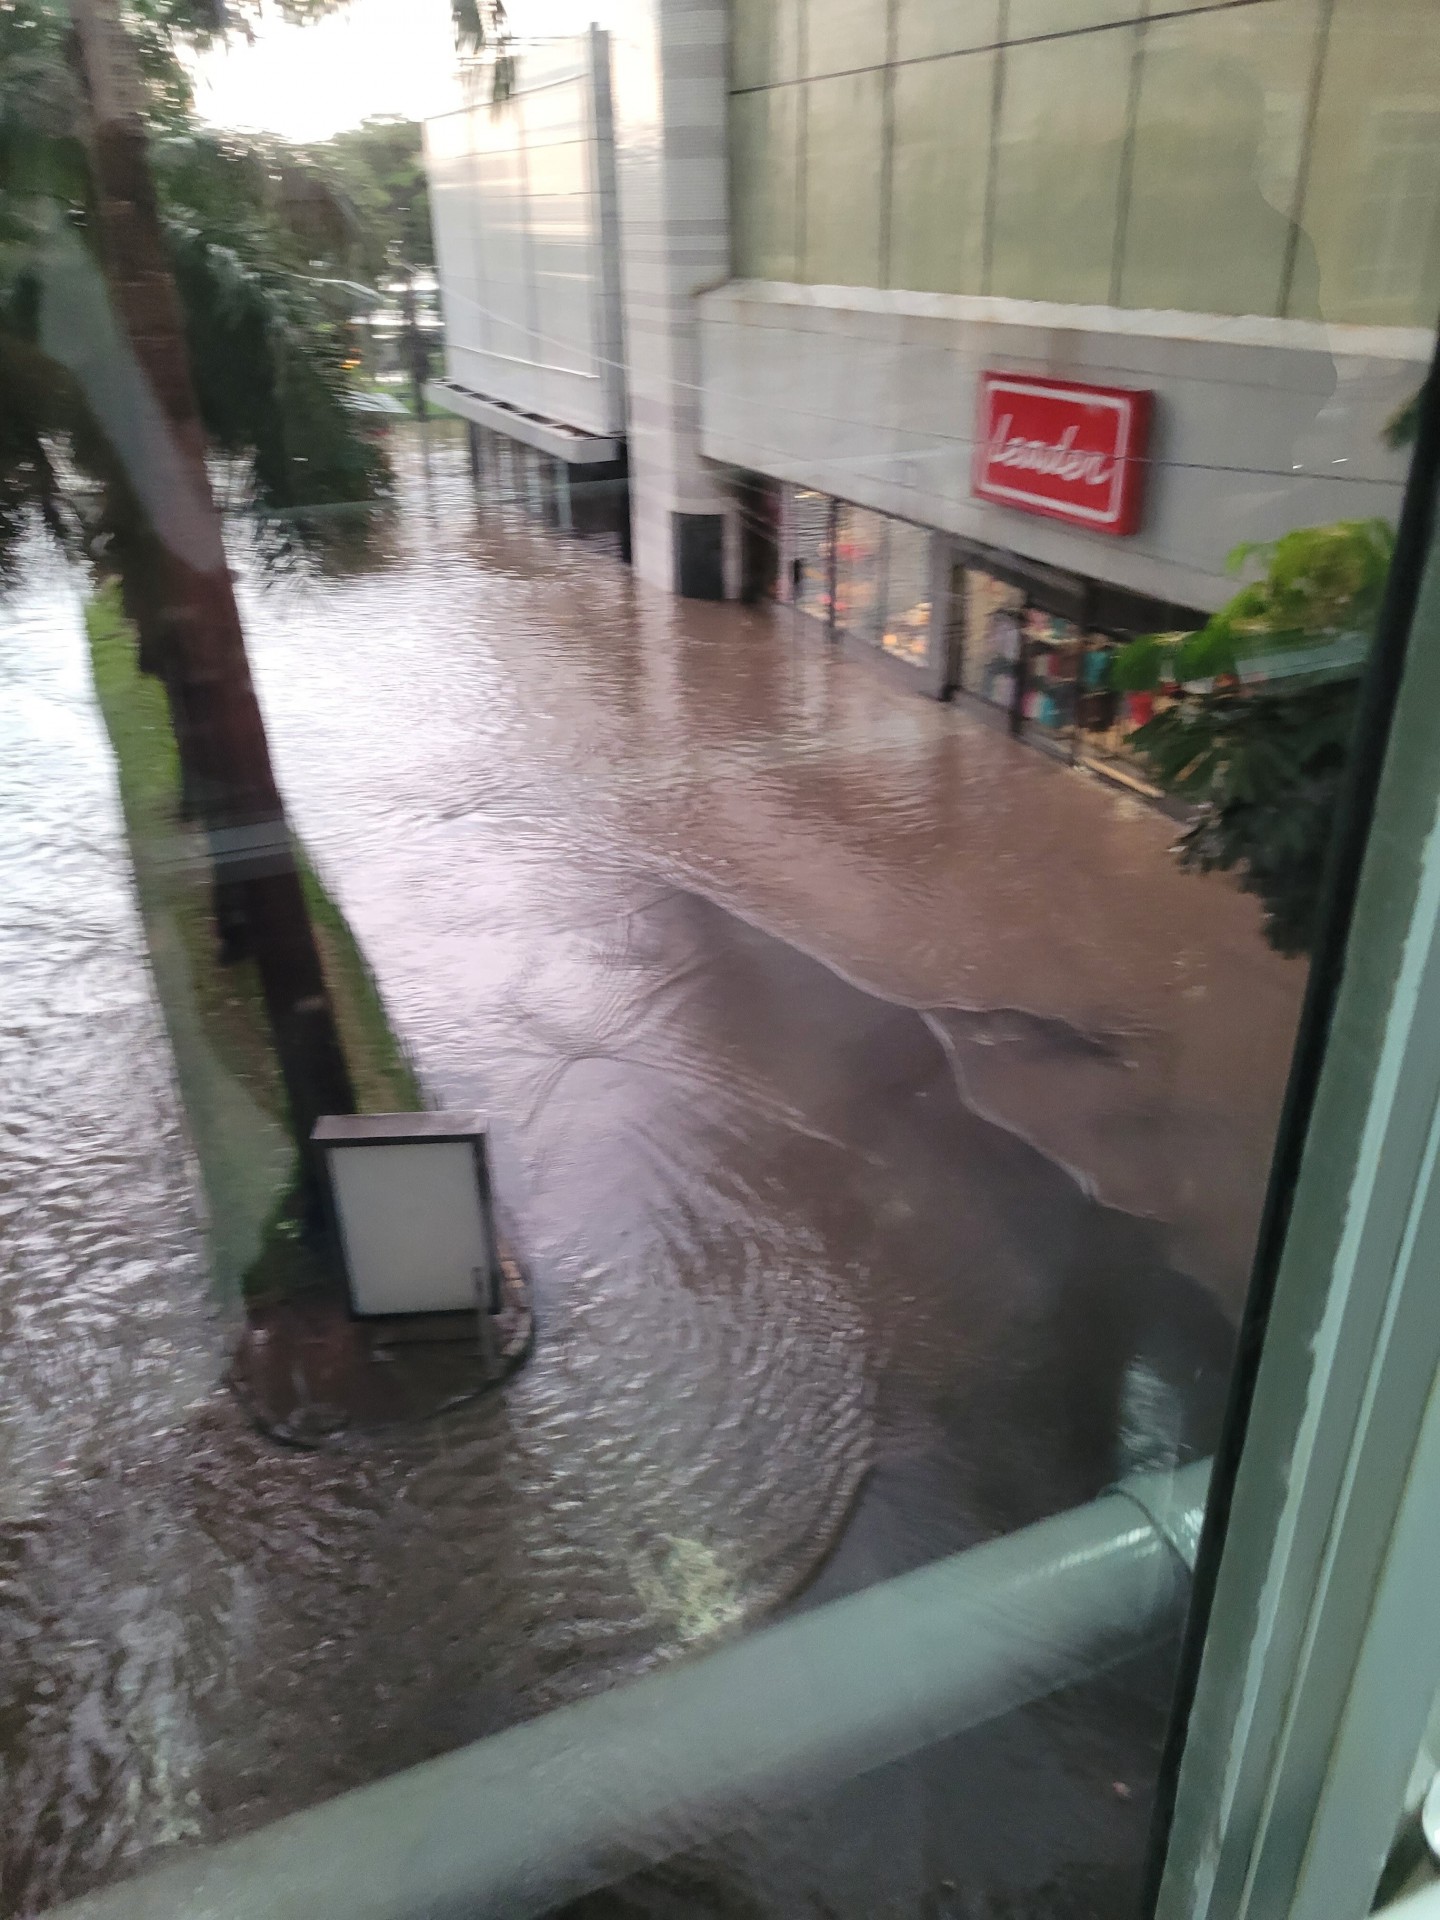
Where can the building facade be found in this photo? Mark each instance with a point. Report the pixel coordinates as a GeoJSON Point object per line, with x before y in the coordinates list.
{"type": "Point", "coordinates": [1231, 212]}
{"type": "Point", "coordinates": [838, 223]}
{"type": "Point", "coordinates": [575, 218]}
{"type": "Point", "coordinates": [524, 207]}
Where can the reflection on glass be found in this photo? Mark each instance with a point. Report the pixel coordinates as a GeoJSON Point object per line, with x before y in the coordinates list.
{"type": "Point", "coordinates": [860, 546]}
{"type": "Point", "coordinates": [398, 718]}
{"type": "Point", "coordinates": [905, 626]}
{"type": "Point", "coordinates": [992, 638]}
{"type": "Point", "coordinates": [812, 559]}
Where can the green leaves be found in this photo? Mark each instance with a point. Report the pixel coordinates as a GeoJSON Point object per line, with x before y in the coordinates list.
{"type": "Point", "coordinates": [379, 169]}
{"type": "Point", "coordinates": [1266, 770]}
{"type": "Point", "coordinates": [1263, 701]}
{"type": "Point", "coordinates": [266, 357]}
{"type": "Point", "coordinates": [1310, 612]}
{"type": "Point", "coordinates": [243, 219]}
{"type": "Point", "coordinates": [1316, 580]}
{"type": "Point", "coordinates": [1173, 659]}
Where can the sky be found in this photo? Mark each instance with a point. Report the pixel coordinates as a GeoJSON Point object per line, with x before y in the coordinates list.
{"type": "Point", "coordinates": [370, 57]}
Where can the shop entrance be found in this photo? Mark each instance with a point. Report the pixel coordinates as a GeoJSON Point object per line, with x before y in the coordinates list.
{"type": "Point", "coordinates": [1036, 645]}
{"type": "Point", "coordinates": [862, 575]}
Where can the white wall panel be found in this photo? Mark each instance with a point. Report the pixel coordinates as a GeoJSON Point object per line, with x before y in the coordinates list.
{"type": "Point", "coordinates": [522, 191]}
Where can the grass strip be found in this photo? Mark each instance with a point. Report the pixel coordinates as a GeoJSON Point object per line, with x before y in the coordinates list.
{"type": "Point", "coordinates": [215, 1015]}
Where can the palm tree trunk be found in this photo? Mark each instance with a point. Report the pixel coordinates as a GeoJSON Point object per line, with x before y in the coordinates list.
{"type": "Point", "coordinates": [204, 665]}
{"type": "Point", "coordinates": [139, 563]}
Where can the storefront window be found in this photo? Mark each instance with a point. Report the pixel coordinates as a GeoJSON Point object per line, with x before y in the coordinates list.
{"type": "Point", "coordinates": [905, 629]}
{"type": "Point", "coordinates": [1052, 653]}
{"type": "Point", "coordinates": [991, 651]}
{"type": "Point", "coordinates": [1053, 677]}
{"type": "Point", "coordinates": [859, 571]}
{"type": "Point", "coordinates": [1106, 718]}
{"type": "Point", "coordinates": [811, 522]}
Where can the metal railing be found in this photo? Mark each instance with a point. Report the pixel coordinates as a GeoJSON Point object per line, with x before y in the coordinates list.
{"type": "Point", "coordinates": [545, 1811]}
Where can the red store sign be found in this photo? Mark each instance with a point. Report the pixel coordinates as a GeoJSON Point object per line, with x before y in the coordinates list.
{"type": "Point", "coordinates": [1073, 453]}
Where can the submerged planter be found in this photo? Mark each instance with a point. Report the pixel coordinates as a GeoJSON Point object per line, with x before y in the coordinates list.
{"type": "Point", "coordinates": [435, 1309]}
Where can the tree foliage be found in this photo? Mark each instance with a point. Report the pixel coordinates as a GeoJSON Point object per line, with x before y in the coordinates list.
{"type": "Point", "coordinates": [1319, 589]}
{"type": "Point", "coordinates": [265, 335]}
{"type": "Point", "coordinates": [1257, 731]}
{"type": "Point", "coordinates": [378, 169]}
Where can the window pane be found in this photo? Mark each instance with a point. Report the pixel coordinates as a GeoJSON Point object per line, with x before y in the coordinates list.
{"type": "Point", "coordinates": [992, 629]}
{"type": "Point", "coordinates": [763, 151]}
{"type": "Point", "coordinates": [842, 179]}
{"type": "Point", "coordinates": [860, 547]}
{"type": "Point", "coordinates": [1057, 166]}
{"type": "Point", "coordinates": [1029, 18]}
{"type": "Point", "coordinates": [813, 559]}
{"type": "Point", "coordinates": [842, 35]}
{"type": "Point", "coordinates": [1217, 157]}
{"type": "Point", "coordinates": [765, 43]}
{"type": "Point", "coordinates": [941, 177]}
{"type": "Point", "coordinates": [905, 627]}
{"type": "Point", "coordinates": [926, 27]}
{"type": "Point", "coordinates": [1372, 203]}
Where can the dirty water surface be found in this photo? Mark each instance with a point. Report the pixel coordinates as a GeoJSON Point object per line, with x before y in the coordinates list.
{"type": "Point", "coordinates": [864, 1221]}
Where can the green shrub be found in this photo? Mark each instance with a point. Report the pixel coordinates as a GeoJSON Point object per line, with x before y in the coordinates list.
{"type": "Point", "coordinates": [1257, 733]}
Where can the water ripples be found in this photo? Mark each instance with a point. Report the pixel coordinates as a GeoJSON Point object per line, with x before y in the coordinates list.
{"type": "Point", "coordinates": [771, 1244]}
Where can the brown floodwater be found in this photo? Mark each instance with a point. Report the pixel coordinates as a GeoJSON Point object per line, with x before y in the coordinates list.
{"type": "Point", "coordinates": [883, 1119]}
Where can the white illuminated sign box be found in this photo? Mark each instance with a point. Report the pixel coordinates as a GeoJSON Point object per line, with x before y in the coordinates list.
{"type": "Point", "coordinates": [412, 1207]}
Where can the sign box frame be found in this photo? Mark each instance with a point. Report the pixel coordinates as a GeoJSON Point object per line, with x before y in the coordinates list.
{"type": "Point", "coordinates": [410, 1194]}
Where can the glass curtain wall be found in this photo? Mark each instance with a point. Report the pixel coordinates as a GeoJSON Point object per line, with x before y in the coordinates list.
{"type": "Point", "coordinates": [860, 558]}
{"type": "Point", "coordinates": [1087, 153]}
{"type": "Point", "coordinates": [993, 614]}
{"type": "Point", "coordinates": [881, 570]}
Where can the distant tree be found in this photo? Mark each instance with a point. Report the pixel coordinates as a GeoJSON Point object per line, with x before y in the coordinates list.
{"type": "Point", "coordinates": [379, 167]}
{"type": "Point", "coordinates": [1256, 729]}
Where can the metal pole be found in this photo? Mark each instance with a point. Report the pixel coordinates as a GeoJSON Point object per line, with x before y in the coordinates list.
{"type": "Point", "coordinates": [539, 1814]}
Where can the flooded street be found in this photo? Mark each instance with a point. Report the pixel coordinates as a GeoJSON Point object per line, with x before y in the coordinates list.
{"type": "Point", "coordinates": [883, 1117]}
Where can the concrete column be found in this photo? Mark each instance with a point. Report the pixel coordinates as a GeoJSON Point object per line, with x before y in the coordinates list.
{"type": "Point", "coordinates": [670, 105]}
{"type": "Point", "coordinates": [942, 668]}
{"type": "Point", "coordinates": [732, 554]}
{"type": "Point", "coordinates": [785, 573]}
